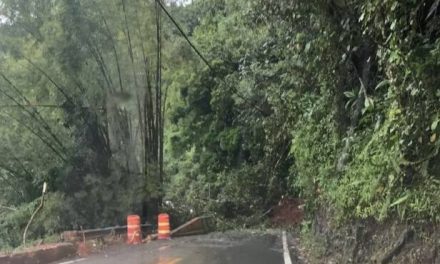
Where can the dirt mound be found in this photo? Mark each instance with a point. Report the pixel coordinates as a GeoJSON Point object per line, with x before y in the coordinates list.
{"type": "Point", "coordinates": [40, 254]}
{"type": "Point", "coordinates": [288, 212]}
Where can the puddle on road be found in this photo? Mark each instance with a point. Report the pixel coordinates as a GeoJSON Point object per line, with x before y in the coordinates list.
{"type": "Point", "coordinates": [162, 248]}
{"type": "Point", "coordinates": [168, 260]}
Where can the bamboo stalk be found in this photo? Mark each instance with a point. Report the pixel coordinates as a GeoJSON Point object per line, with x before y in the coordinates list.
{"type": "Point", "coordinates": [35, 213]}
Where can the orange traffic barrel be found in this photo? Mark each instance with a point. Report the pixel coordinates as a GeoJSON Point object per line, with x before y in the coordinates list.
{"type": "Point", "coordinates": [133, 229]}
{"type": "Point", "coordinates": [164, 226]}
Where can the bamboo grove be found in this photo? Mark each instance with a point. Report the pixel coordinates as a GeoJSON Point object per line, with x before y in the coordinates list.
{"type": "Point", "coordinates": [217, 107]}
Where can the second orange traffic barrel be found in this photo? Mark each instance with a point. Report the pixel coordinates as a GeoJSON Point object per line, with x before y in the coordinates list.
{"type": "Point", "coordinates": [164, 226]}
{"type": "Point", "coordinates": [133, 229]}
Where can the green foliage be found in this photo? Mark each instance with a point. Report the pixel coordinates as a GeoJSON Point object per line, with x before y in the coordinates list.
{"type": "Point", "coordinates": [351, 91]}
{"type": "Point", "coordinates": [334, 101]}
{"type": "Point", "coordinates": [314, 147]}
{"type": "Point", "coordinates": [51, 221]}
{"type": "Point", "coordinates": [74, 83]}
{"type": "Point", "coordinates": [229, 148]}
{"type": "Point", "coordinates": [371, 180]}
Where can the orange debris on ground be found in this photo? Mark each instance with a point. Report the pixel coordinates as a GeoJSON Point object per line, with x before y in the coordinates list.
{"type": "Point", "coordinates": [288, 212]}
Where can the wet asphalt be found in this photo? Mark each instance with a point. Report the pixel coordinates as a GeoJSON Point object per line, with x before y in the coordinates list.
{"type": "Point", "coordinates": [216, 248]}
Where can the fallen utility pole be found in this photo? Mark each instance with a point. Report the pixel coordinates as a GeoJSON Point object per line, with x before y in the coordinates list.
{"type": "Point", "coordinates": [73, 236]}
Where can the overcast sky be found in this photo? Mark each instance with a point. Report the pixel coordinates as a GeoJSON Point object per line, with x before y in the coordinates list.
{"type": "Point", "coordinates": [181, 2]}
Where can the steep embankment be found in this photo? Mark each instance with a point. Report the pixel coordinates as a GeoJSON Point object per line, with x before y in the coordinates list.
{"type": "Point", "coordinates": [369, 241]}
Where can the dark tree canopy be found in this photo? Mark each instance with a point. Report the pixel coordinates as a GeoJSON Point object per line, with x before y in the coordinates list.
{"type": "Point", "coordinates": [336, 102]}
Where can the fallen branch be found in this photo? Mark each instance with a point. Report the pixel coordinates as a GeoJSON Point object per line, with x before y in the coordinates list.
{"type": "Point", "coordinates": [34, 214]}
{"type": "Point", "coordinates": [266, 213]}
{"type": "Point", "coordinates": [7, 207]}
{"type": "Point", "coordinates": [395, 250]}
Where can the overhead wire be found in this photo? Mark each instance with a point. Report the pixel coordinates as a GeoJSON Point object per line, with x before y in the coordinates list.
{"type": "Point", "coordinates": [184, 35]}
{"type": "Point", "coordinates": [173, 20]}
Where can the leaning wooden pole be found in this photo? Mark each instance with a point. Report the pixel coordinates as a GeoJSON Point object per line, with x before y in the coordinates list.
{"type": "Point", "coordinates": [159, 116]}
{"type": "Point", "coordinates": [35, 213]}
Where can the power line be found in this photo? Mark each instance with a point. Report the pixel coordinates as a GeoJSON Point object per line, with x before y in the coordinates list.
{"type": "Point", "coordinates": [33, 106]}
{"type": "Point", "coordinates": [44, 106]}
{"type": "Point", "coordinates": [204, 59]}
{"type": "Point", "coordinates": [184, 34]}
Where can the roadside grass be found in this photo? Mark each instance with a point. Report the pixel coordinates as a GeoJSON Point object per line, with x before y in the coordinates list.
{"type": "Point", "coordinates": [30, 244]}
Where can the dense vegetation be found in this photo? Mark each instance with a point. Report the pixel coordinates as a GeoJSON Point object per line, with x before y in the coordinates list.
{"type": "Point", "coordinates": [337, 102]}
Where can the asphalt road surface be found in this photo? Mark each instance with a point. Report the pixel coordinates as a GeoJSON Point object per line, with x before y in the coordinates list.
{"type": "Point", "coordinates": [217, 248]}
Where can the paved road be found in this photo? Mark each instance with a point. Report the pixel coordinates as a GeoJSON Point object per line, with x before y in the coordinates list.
{"type": "Point", "coordinates": [217, 248]}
